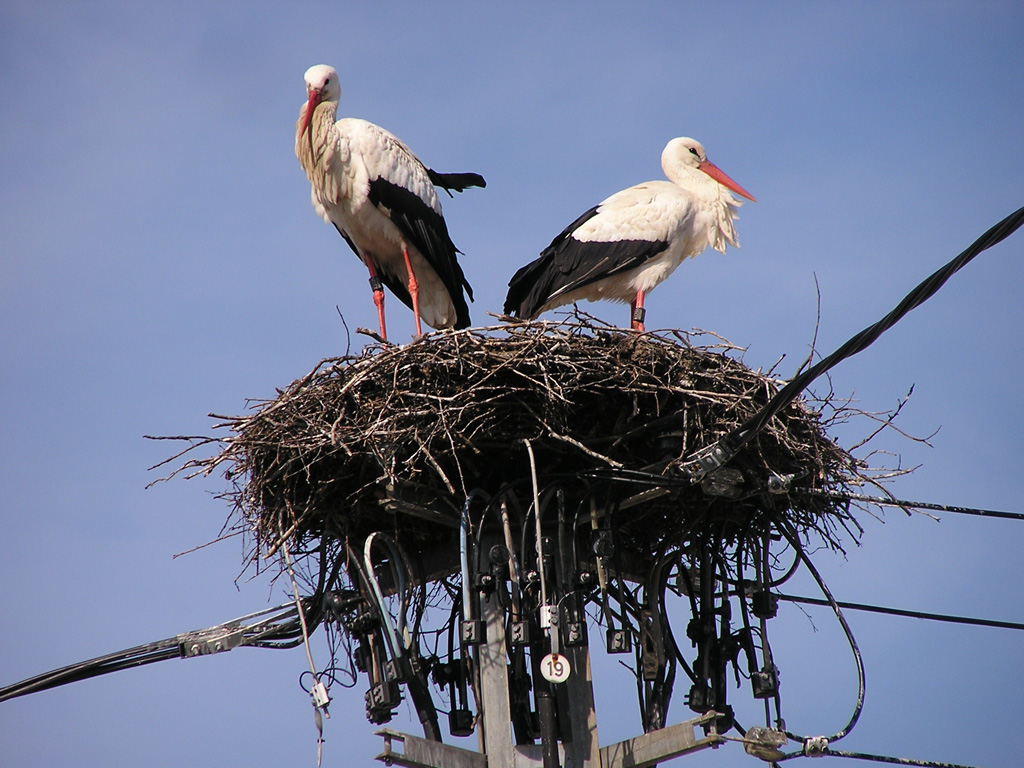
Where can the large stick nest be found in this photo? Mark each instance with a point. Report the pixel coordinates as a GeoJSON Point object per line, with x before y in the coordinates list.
{"type": "Point", "coordinates": [394, 438]}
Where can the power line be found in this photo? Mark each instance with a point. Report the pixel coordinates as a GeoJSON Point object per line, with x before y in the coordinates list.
{"type": "Point", "coordinates": [835, 605]}
{"type": "Point", "coordinates": [903, 612]}
{"type": "Point", "coordinates": [890, 502]}
{"type": "Point", "coordinates": [279, 630]}
{"type": "Point", "coordinates": [712, 457]}
{"type": "Point", "coordinates": [892, 760]}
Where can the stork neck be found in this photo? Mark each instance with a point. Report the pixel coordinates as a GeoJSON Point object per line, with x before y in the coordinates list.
{"type": "Point", "coordinates": [311, 148]}
{"type": "Point", "coordinates": [690, 178]}
{"type": "Point", "coordinates": [716, 201]}
{"type": "Point", "coordinates": [324, 117]}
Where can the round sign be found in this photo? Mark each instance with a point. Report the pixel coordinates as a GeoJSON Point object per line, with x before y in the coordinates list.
{"type": "Point", "coordinates": [555, 668]}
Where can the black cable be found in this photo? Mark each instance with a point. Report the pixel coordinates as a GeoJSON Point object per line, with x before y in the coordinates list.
{"type": "Point", "coordinates": [891, 502]}
{"type": "Point", "coordinates": [748, 647]}
{"type": "Point", "coordinates": [718, 453]}
{"type": "Point", "coordinates": [794, 540]}
{"type": "Point", "coordinates": [770, 583]}
{"type": "Point", "coordinates": [902, 612]}
{"type": "Point", "coordinates": [279, 631]}
{"type": "Point", "coordinates": [829, 752]}
{"type": "Point", "coordinates": [132, 657]}
{"type": "Point", "coordinates": [764, 576]}
{"type": "Point", "coordinates": [670, 638]}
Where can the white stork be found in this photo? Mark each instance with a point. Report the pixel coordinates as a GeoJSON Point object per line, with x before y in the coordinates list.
{"type": "Point", "coordinates": [625, 246]}
{"type": "Point", "coordinates": [382, 200]}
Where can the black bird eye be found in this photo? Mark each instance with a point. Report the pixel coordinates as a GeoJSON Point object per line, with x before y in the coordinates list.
{"type": "Point", "coordinates": [693, 151]}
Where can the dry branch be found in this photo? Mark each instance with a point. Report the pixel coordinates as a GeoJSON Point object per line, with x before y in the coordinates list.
{"type": "Point", "coordinates": [449, 413]}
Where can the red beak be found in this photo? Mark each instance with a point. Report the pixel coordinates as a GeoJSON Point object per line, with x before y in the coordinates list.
{"type": "Point", "coordinates": [719, 175]}
{"type": "Point", "coordinates": [314, 100]}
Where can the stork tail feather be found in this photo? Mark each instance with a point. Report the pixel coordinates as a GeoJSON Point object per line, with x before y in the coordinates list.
{"type": "Point", "coordinates": [458, 182]}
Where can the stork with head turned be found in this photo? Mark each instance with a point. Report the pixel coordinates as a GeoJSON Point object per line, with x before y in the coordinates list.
{"type": "Point", "coordinates": [382, 200]}
{"type": "Point", "coordinates": [625, 246]}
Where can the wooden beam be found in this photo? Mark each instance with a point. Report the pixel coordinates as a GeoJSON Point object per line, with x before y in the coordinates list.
{"type": "Point", "coordinates": [422, 753]}
{"type": "Point", "coordinates": [583, 750]}
{"type": "Point", "coordinates": [495, 710]}
{"type": "Point", "coordinates": [652, 748]}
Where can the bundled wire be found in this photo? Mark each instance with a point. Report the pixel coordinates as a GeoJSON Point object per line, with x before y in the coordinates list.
{"type": "Point", "coordinates": [280, 629]}
{"type": "Point", "coordinates": [710, 458]}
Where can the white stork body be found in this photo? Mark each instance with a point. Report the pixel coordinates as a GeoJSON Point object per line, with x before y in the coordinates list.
{"type": "Point", "coordinates": [628, 244]}
{"type": "Point", "coordinates": [382, 200]}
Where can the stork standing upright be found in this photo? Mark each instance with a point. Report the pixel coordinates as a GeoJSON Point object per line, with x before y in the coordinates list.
{"type": "Point", "coordinates": [625, 246]}
{"type": "Point", "coordinates": [382, 200]}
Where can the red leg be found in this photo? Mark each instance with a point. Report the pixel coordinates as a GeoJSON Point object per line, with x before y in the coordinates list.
{"type": "Point", "coordinates": [414, 291]}
{"type": "Point", "coordinates": [637, 311]}
{"type": "Point", "coordinates": [378, 293]}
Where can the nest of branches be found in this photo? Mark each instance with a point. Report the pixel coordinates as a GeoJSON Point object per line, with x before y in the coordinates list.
{"type": "Point", "coordinates": [393, 439]}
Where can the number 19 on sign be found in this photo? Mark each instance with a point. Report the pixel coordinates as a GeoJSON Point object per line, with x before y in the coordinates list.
{"type": "Point", "coordinates": [555, 668]}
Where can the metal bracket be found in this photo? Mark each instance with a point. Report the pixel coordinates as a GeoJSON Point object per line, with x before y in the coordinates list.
{"type": "Point", "coordinates": [816, 746]}
{"type": "Point", "coordinates": [765, 683]}
{"type": "Point", "coordinates": [213, 640]}
{"type": "Point", "coordinates": [710, 458]}
{"type": "Point", "coordinates": [706, 460]}
{"type": "Point", "coordinates": [724, 482]}
{"type": "Point", "coordinates": [519, 633]}
{"type": "Point", "coordinates": [619, 641]}
{"type": "Point", "coordinates": [472, 632]}
{"type": "Point", "coordinates": [548, 616]}
{"type": "Point", "coordinates": [779, 484]}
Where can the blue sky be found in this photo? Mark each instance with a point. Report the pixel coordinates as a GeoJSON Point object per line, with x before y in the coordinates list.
{"type": "Point", "coordinates": [159, 260]}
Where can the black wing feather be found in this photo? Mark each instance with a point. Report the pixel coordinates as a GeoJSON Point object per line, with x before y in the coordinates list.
{"type": "Point", "coordinates": [568, 264]}
{"type": "Point", "coordinates": [427, 231]}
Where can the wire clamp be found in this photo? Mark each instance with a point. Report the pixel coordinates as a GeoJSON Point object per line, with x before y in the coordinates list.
{"type": "Point", "coordinates": [815, 746]}
{"type": "Point", "coordinates": [764, 743]}
{"type": "Point", "coordinates": [320, 696]}
{"type": "Point", "coordinates": [548, 616]}
{"type": "Point", "coordinates": [723, 482]}
{"type": "Point", "coordinates": [473, 632]}
{"type": "Point", "coordinates": [212, 640]}
{"type": "Point", "coordinates": [706, 460]}
{"type": "Point", "coordinates": [779, 484]}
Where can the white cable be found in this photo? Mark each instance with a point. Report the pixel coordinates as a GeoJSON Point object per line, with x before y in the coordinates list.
{"type": "Point", "coordinates": [536, 517]}
{"type": "Point", "coordinates": [302, 613]}
{"type": "Point", "coordinates": [318, 693]}
{"type": "Point", "coordinates": [392, 637]}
